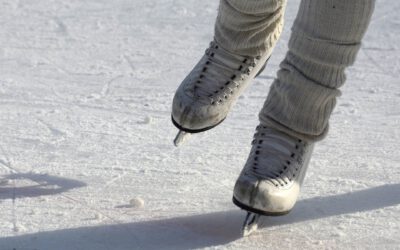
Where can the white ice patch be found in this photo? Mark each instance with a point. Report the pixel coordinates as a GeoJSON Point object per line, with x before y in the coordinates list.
{"type": "Point", "coordinates": [136, 202]}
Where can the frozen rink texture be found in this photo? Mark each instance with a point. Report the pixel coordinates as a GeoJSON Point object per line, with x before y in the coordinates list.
{"type": "Point", "coordinates": [86, 153]}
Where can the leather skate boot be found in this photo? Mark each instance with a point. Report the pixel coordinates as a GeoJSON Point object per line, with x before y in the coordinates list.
{"type": "Point", "coordinates": [208, 93]}
{"type": "Point", "coordinates": [270, 181]}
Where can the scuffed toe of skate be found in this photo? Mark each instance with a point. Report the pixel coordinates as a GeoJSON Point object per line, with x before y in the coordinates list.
{"type": "Point", "coordinates": [244, 189]}
{"type": "Point", "coordinates": [192, 115]}
{"type": "Point", "coordinates": [265, 196]}
{"type": "Point", "coordinates": [275, 199]}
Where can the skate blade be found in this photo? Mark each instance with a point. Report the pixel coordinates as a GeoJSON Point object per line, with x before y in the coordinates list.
{"type": "Point", "coordinates": [181, 138]}
{"type": "Point", "coordinates": [250, 224]}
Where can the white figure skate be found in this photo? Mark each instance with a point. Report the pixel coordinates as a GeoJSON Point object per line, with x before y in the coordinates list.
{"type": "Point", "coordinates": [207, 94]}
{"type": "Point", "coordinates": [270, 181]}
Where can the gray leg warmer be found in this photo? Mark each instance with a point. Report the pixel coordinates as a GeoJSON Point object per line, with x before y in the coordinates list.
{"type": "Point", "coordinates": [325, 39]}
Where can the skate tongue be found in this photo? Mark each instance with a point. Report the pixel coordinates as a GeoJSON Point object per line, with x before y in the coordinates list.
{"type": "Point", "coordinates": [273, 150]}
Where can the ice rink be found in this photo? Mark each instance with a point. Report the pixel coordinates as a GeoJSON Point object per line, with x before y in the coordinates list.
{"type": "Point", "coordinates": [86, 153]}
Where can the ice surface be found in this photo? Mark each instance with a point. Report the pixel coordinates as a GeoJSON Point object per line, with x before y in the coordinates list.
{"type": "Point", "coordinates": [85, 93]}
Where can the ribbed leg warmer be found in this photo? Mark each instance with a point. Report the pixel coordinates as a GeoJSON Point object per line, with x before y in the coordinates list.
{"type": "Point", "coordinates": [249, 27]}
{"type": "Point", "coordinates": [325, 39]}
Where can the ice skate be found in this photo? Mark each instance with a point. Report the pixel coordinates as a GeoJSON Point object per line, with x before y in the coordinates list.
{"type": "Point", "coordinates": [270, 181]}
{"type": "Point", "coordinates": [207, 94]}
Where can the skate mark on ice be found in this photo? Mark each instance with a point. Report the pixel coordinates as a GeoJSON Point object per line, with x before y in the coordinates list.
{"type": "Point", "coordinates": [129, 62]}
{"type": "Point", "coordinates": [61, 27]}
{"type": "Point", "coordinates": [6, 162]}
{"type": "Point", "coordinates": [105, 91]}
{"type": "Point", "coordinates": [113, 180]}
{"type": "Point", "coordinates": [377, 64]}
{"type": "Point", "coordinates": [53, 130]}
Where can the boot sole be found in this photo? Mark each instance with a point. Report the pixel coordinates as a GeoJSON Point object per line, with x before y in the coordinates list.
{"type": "Point", "coordinates": [193, 131]}
{"type": "Point", "coordinates": [257, 211]}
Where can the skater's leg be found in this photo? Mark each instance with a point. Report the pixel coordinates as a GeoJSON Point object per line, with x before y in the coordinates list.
{"type": "Point", "coordinates": [249, 27]}
{"type": "Point", "coordinates": [325, 39]}
{"type": "Point", "coordinates": [245, 34]}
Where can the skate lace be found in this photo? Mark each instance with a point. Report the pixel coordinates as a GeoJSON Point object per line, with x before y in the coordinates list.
{"type": "Point", "coordinates": [221, 74]}
{"type": "Point", "coordinates": [275, 157]}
